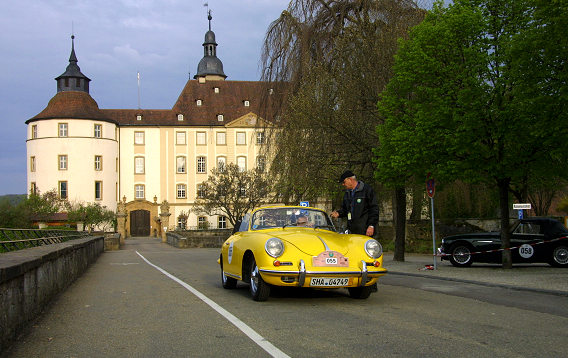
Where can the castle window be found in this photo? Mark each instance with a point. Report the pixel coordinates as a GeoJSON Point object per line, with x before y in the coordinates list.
{"type": "Point", "coordinates": [33, 188]}
{"type": "Point", "coordinates": [98, 130]}
{"type": "Point", "coordinates": [139, 138]}
{"type": "Point", "coordinates": [201, 138]}
{"type": "Point", "coordinates": [241, 138]}
{"type": "Point", "coordinates": [98, 190]}
{"type": "Point", "coordinates": [259, 137]}
{"type": "Point", "coordinates": [200, 191]}
{"type": "Point", "coordinates": [181, 191]}
{"type": "Point", "coordinates": [181, 165]}
{"type": "Point", "coordinates": [242, 163]}
{"type": "Point", "coordinates": [62, 186]}
{"type": "Point", "coordinates": [201, 165]}
{"type": "Point", "coordinates": [138, 117]}
{"type": "Point", "coordinates": [63, 129]}
{"type": "Point", "coordinates": [247, 104]}
{"type": "Point", "coordinates": [34, 131]}
{"type": "Point", "coordinates": [32, 164]}
{"type": "Point", "coordinates": [199, 102]}
{"type": "Point", "coordinates": [180, 138]}
{"type": "Point", "coordinates": [221, 138]}
{"type": "Point", "coordinates": [139, 165]}
{"type": "Point", "coordinates": [62, 159]}
{"type": "Point", "coordinates": [139, 191]}
{"type": "Point", "coordinates": [98, 162]}
{"type": "Point", "coordinates": [220, 117]}
{"type": "Point", "coordinates": [180, 117]}
{"type": "Point", "coordinates": [222, 222]}
{"type": "Point", "coordinates": [216, 89]}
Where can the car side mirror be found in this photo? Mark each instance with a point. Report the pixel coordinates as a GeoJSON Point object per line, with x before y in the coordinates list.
{"type": "Point", "coordinates": [236, 227]}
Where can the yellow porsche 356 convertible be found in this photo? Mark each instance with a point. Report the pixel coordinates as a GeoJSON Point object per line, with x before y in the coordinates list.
{"type": "Point", "coordinates": [298, 246]}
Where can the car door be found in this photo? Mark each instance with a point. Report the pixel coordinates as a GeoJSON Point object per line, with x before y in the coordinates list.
{"type": "Point", "coordinates": [525, 240]}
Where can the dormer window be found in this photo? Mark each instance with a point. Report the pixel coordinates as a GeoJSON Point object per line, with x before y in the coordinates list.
{"type": "Point", "coordinates": [216, 89]}
{"type": "Point", "coordinates": [180, 117]}
{"type": "Point", "coordinates": [220, 117]}
{"type": "Point", "coordinates": [247, 103]}
{"type": "Point", "coordinates": [199, 102]}
{"type": "Point", "coordinates": [138, 117]}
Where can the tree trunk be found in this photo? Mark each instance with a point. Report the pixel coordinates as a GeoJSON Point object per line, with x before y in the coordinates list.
{"type": "Point", "coordinates": [505, 232]}
{"type": "Point", "coordinates": [399, 223]}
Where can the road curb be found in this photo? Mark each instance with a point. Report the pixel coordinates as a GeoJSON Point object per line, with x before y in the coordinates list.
{"type": "Point", "coordinates": [489, 284]}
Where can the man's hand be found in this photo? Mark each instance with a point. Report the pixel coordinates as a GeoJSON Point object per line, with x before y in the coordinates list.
{"type": "Point", "coordinates": [334, 214]}
{"type": "Point", "coordinates": [370, 231]}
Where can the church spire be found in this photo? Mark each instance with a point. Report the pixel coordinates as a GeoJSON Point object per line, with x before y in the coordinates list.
{"type": "Point", "coordinates": [72, 79]}
{"type": "Point", "coordinates": [210, 65]}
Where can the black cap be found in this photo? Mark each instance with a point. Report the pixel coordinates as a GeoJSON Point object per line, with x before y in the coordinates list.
{"type": "Point", "coordinates": [346, 174]}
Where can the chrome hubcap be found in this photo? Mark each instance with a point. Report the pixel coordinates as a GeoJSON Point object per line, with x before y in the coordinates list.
{"type": "Point", "coordinates": [461, 255]}
{"type": "Point", "coordinates": [561, 255]}
{"type": "Point", "coordinates": [254, 278]}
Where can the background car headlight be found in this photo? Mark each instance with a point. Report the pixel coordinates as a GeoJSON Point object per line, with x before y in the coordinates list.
{"type": "Point", "coordinates": [373, 248]}
{"type": "Point", "coordinates": [274, 247]}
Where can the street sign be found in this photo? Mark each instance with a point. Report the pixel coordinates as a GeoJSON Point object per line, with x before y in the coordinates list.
{"type": "Point", "coordinates": [431, 187]}
{"type": "Point", "coordinates": [524, 206]}
{"type": "Point", "coordinates": [520, 214]}
{"type": "Point", "coordinates": [304, 203]}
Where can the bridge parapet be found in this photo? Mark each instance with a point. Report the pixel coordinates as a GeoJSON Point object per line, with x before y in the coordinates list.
{"type": "Point", "coordinates": [31, 278]}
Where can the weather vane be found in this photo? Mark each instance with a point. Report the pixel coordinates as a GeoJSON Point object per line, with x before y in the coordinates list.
{"type": "Point", "coordinates": [209, 17]}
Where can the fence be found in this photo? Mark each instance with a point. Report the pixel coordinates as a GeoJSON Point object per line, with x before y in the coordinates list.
{"type": "Point", "coordinates": [18, 239]}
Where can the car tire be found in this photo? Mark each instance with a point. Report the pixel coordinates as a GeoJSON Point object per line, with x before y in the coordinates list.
{"type": "Point", "coordinates": [461, 255]}
{"type": "Point", "coordinates": [360, 292]}
{"type": "Point", "coordinates": [559, 256]}
{"type": "Point", "coordinates": [226, 281]}
{"type": "Point", "coordinates": [259, 289]}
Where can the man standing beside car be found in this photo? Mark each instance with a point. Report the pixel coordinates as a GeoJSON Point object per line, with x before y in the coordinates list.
{"type": "Point", "coordinates": [359, 205]}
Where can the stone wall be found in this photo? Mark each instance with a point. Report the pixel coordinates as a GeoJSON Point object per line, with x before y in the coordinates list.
{"type": "Point", "coordinates": [31, 278]}
{"type": "Point", "coordinates": [198, 238]}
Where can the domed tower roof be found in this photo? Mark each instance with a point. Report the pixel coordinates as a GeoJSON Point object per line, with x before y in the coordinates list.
{"type": "Point", "coordinates": [72, 79]}
{"type": "Point", "coordinates": [210, 64]}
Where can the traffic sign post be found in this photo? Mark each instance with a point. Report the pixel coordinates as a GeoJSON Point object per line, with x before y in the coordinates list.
{"type": "Point", "coordinates": [431, 190]}
{"type": "Point", "coordinates": [521, 207]}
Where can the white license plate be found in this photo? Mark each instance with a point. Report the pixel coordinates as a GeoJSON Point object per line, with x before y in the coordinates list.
{"type": "Point", "coordinates": [329, 281]}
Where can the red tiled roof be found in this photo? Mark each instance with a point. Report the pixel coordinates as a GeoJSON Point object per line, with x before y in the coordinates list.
{"type": "Point", "coordinates": [229, 101]}
{"type": "Point", "coordinates": [71, 105]}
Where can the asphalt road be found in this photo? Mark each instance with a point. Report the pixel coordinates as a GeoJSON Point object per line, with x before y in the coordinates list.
{"type": "Point", "coordinates": [173, 305]}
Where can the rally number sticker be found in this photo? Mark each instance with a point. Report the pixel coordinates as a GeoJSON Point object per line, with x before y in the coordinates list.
{"type": "Point", "coordinates": [526, 251]}
{"type": "Point", "coordinates": [230, 253]}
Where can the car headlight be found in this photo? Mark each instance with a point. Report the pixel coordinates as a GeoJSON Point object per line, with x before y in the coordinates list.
{"type": "Point", "coordinates": [373, 248]}
{"type": "Point", "coordinates": [274, 247]}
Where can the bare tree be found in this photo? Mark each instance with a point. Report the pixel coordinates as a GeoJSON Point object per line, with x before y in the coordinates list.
{"type": "Point", "coordinates": [232, 192]}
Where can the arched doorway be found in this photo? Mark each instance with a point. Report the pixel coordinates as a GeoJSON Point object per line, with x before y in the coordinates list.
{"type": "Point", "coordinates": [140, 223]}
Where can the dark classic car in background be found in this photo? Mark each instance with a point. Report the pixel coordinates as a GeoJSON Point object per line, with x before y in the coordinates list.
{"type": "Point", "coordinates": [532, 240]}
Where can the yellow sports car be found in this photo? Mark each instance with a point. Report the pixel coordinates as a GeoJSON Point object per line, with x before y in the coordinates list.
{"type": "Point", "coordinates": [298, 246]}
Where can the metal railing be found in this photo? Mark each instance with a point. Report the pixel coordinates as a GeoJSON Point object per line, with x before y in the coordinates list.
{"type": "Point", "coordinates": [19, 239]}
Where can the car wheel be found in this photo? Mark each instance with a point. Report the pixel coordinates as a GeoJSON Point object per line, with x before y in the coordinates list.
{"type": "Point", "coordinates": [259, 289]}
{"type": "Point", "coordinates": [461, 255]}
{"type": "Point", "coordinates": [228, 282]}
{"type": "Point", "coordinates": [360, 292]}
{"type": "Point", "coordinates": [559, 256]}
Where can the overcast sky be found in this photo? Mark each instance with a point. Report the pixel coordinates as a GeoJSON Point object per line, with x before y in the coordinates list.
{"type": "Point", "coordinates": [114, 40]}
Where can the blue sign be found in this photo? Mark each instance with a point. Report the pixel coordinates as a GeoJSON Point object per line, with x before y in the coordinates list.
{"type": "Point", "coordinates": [304, 203]}
{"type": "Point", "coordinates": [520, 214]}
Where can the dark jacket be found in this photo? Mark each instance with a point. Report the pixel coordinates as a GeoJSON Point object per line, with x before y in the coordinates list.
{"type": "Point", "coordinates": [365, 210]}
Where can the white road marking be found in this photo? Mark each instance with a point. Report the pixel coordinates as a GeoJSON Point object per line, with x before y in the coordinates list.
{"type": "Point", "coordinates": [256, 338]}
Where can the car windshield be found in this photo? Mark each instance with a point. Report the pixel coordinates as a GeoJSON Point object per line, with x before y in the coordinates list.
{"type": "Point", "coordinates": [290, 216]}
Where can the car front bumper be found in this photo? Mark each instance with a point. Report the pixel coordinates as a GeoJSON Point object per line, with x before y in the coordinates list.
{"type": "Point", "coordinates": [365, 275]}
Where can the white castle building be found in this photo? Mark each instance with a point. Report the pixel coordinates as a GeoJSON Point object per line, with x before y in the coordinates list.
{"type": "Point", "coordinates": [139, 159]}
